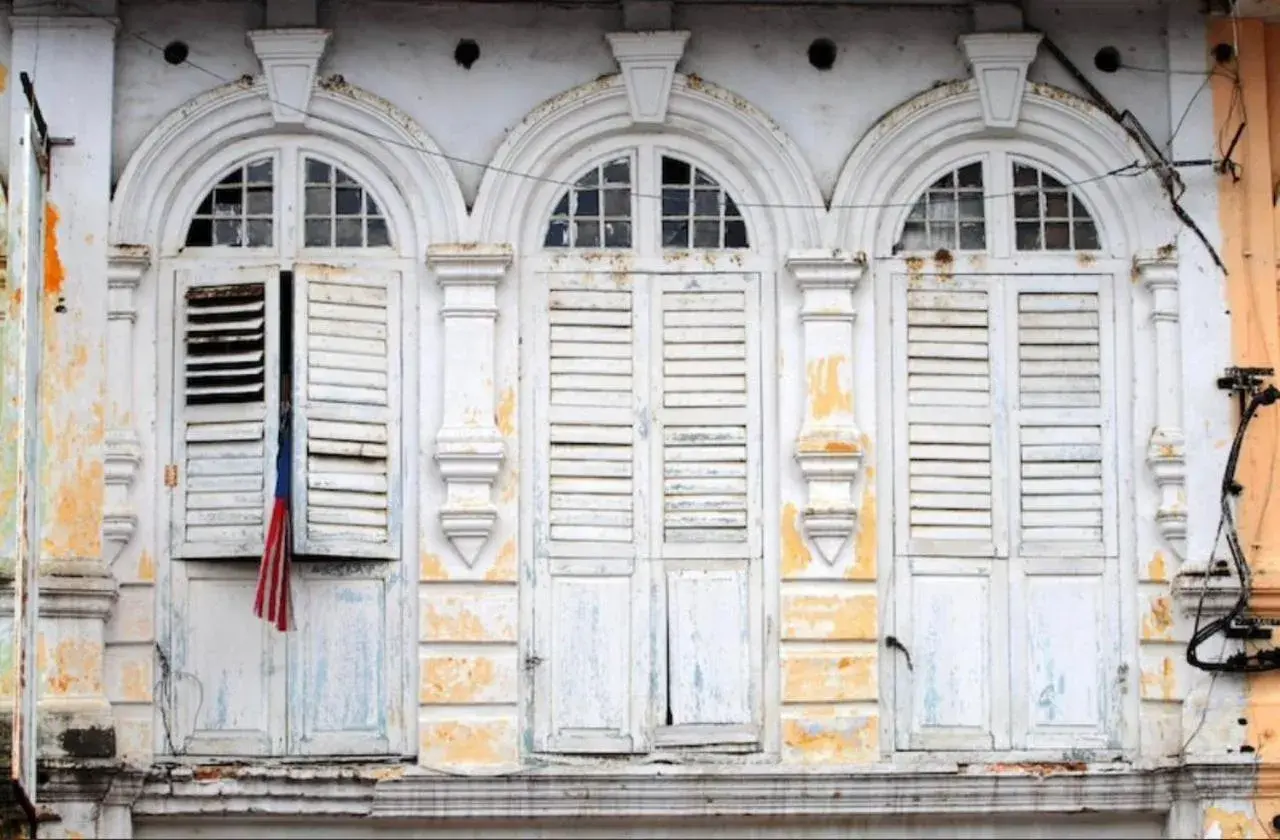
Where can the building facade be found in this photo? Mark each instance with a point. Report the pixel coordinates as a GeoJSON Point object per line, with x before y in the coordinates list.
{"type": "Point", "coordinates": [753, 419]}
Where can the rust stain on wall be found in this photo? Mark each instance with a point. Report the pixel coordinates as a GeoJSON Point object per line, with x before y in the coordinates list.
{"type": "Point", "coordinates": [796, 556]}
{"type": "Point", "coordinates": [829, 617]}
{"type": "Point", "coordinates": [507, 412]}
{"type": "Point", "coordinates": [54, 275]}
{"type": "Point", "coordinates": [430, 567]}
{"type": "Point", "coordinates": [825, 737]}
{"type": "Point", "coordinates": [826, 397]}
{"type": "Point", "coordinates": [1157, 624]}
{"type": "Point", "coordinates": [503, 569]}
{"type": "Point", "coordinates": [462, 744]}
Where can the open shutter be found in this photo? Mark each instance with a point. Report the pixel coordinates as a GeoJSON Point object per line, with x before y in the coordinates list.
{"type": "Point", "coordinates": [952, 536]}
{"type": "Point", "coordinates": [346, 409]}
{"type": "Point", "coordinates": [590, 588]}
{"type": "Point", "coordinates": [706, 406]}
{"type": "Point", "coordinates": [225, 410]}
{"type": "Point", "coordinates": [1064, 573]}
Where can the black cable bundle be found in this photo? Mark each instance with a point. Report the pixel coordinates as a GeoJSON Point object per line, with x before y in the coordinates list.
{"type": "Point", "coordinates": [1242, 662]}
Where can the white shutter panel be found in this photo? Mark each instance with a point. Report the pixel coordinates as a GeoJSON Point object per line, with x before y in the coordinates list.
{"type": "Point", "coordinates": [706, 404]}
{"type": "Point", "coordinates": [591, 591]}
{"type": "Point", "coordinates": [951, 538]}
{"type": "Point", "coordinates": [1064, 571]}
{"type": "Point", "coordinates": [226, 417]}
{"type": "Point", "coordinates": [346, 412]}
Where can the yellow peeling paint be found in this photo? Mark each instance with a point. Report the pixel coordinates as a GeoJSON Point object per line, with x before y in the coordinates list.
{"type": "Point", "coordinates": [864, 555]}
{"type": "Point", "coordinates": [146, 567]}
{"type": "Point", "coordinates": [4, 78]}
{"type": "Point", "coordinates": [826, 397]}
{"type": "Point", "coordinates": [430, 567]}
{"type": "Point", "coordinates": [507, 493]}
{"type": "Point", "coordinates": [76, 526]}
{"type": "Point", "coordinates": [828, 678]}
{"type": "Point", "coordinates": [136, 683]}
{"type": "Point", "coordinates": [469, 618]}
{"type": "Point", "coordinates": [1228, 825]}
{"type": "Point", "coordinates": [466, 679]}
{"type": "Point", "coordinates": [829, 617]}
{"type": "Point", "coordinates": [825, 736]}
{"type": "Point", "coordinates": [1161, 684]}
{"type": "Point", "coordinates": [467, 744]}
{"type": "Point", "coordinates": [1157, 624]}
{"type": "Point", "coordinates": [507, 412]}
{"type": "Point", "coordinates": [75, 668]}
{"type": "Point", "coordinates": [1156, 570]}
{"type": "Point", "coordinates": [503, 569]}
{"type": "Point", "coordinates": [796, 556]}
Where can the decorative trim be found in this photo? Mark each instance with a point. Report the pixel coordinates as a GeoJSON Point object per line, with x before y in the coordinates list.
{"type": "Point", "coordinates": [289, 60]}
{"type": "Point", "coordinates": [648, 64]}
{"type": "Point", "coordinates": [1208, 596]}
{"type": "Point", "coordinates": [829, 448]}
{"type": "Point", "coordinates": [1166, 449]}
{"type": "Point", "coordinates": [999, 62]}
{"type": "Point", "coordinates": [469, 445]}
{"type": "Point", "coordinates": [123, 447]}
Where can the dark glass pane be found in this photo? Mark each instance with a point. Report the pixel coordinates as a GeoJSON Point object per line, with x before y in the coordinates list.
{"type": "Point", "coordinates": [317, 172]}
{"type": "Point", "coordinates": [1078, 210]}
{"type": "Point", "coordinates": [702, 179]}
{"type": "Point", "coordinates": [971, 206]}
{"type": "Point", "coordinates": [706, 234]}
{"type": "Point", "coordinates": [206, 206]}
{"type": "Point", "coordinates": [228, 202]}
{"type": "Point", "coordinates": [618, 171]}
{"type": "Point", "coordinates": [349, 233]}
{"type": "Point", "coordinates": [946, 182]}
{"type": "Point", "coordinates": [1026, 205]}
{"type": "Point", "coordinates": [971, 175]}
{"type": "Point", "coordinates": [371, 206]}
{"type": "Point", "coordinates": [706, 203]}
{"type": "Point", "coordinates": [942, 235]}
{"type": "Point", "coordinates": [235, 177]}
{"type": "Point", "coordinates": [259, 233]}
{"type": "Point", "coordinates": [319, 201]}
{"type": "Point", "coordinates": [379, 236]}
{"type": "Point", "coordinates": [942, 207]}
{"type": "Point", "coordinates": [227, 232]}
{"type": "Point", "coordinates": [1027, 235]}
{"type": "Point", "coordinates": [1057, 236]}
{"type": "Point", "coordinates": [1086, 237]}
{"type": "Point", "coordinates": [675, 172]}
{"type": "Point", "coordinates": [200, 234]}
{"type": "Point", "coordinates": [557, 234]}
{"type": "Point", "coordinates": [914, 237]}
{"type": "Point", "coordinates": [260, 172]}
{"type": "Point", "coordinates": [586, 203]}
{"type": "Point", "coordinates": [1048, 182]}
{"type": "Point", "coordinates": [675, 202]}
{"type": "Point", "coordinates": [1055, 205]}
{"type": "Point", "coordinates": [586, 234]}
{"type": "Point", "coordinates": [562, 206]}
{"type": "Point", "coordinates": [917, 212]}
{"type": "Point", "coordinates": [617, 234]}
{"type": "Point", "coordinates": [318, 233]}
{"type": "Point", "coordinates": [973, 236]}
{"type": "Point", "coordinates": [735, 233]}
{"type": "Point", "coordinates": [617, 203]}
{"type": "Point", "coordinates": [591, 179]}
{"type": "Point", "coordinates": [1024, 176]}
{"type": "Point", "coordinates": [259, 203]}
{"type": "Point", "coordinates": [730, 208]}
{"type": "Point", "coordinates": [348, 201]}
{"type": "Point", "coordinates": [675, 233]}
{"type": "Point", "coordinates": [344, 178]}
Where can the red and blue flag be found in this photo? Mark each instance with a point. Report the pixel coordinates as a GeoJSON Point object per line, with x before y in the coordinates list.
{"type": "Point", "coordinates": [273, 601]}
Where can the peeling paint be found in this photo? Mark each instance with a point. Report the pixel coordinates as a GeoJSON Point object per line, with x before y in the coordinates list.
{"type": "Point", "coordinates": [4, 78]}
{"type": "Point", "coordinates": [1161, 684]}
{"type": "Point", "coordinates": [467, 679]}
{"type": "Point", "coordinates": [54, 274]}
{"type": "Point", "coordinates": [828, 677]}
{"type": "Point", "coordinates": [503, 569]}
{"type": "Point", "coordinates": [135, 682]}
{"type": "Point", "coordinates": [827, 737]}
{"type": "Point", "coordinates": [73, 668]}
{"type": "Point", "coordinates": [796, 556]}
{"type": "Point", "coordinates": [146, 567]}
{"type": "Point", "coordinates": [829, 617]}
{"type": "Point", "coordinates": [1157, 624]}
{"type": "Point", "coordinates": [488, 616]}
{"type": "Point", "coordinates": [506, 414]}
{"type": "Point", "coordinates": [864, 555]}
{"type": "Point", "coordinates": [461, 744]}
{"type": "Point", "coordinates": [1156, 568]}
{"type": "Point", "coordinates": [826, 396]}
{"type": "Point", "coordinates": [1227, 825]}
{"type": "Point", "coordinates": [430, 567]}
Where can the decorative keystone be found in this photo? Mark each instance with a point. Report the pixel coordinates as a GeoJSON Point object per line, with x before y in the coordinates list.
{"type": "Point", "coordinates": [289, 58]}
{"type": "Point", "coordinates": [648, 64]}
{"type": "Point", "coordinates": [469, 446]}
{"type": "Point", "coordinates": [999, 62]}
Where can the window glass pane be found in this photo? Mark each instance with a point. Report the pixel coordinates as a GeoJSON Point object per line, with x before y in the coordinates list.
{"type": "Point", "coordinates": [587, 216]}
{"type": "Point", "coordinates": [238, 212]}
{"type": "Point", "coordinates": [1049, 215]}
{"type": "Point", "coordinates": [339, 211]}
{"type": "Point", "coordinates": [951, 213]}
{"type": "Point", "coordinates": [701, 215]}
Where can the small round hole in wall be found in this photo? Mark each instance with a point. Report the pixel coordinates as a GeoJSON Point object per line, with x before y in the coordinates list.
{"type": "Point", "coordinates": [1107, 59]}
{"type": "Point", "coordinates": [822, 53]}
{"type": "Point", "coordinates": [466, 53]}
{"type": "Point", "coordinates": [1275, 822]}
{"type": "Point", "coordinates": [176, 52]}
{"type": "Point", "coordinates": [1222, 53]}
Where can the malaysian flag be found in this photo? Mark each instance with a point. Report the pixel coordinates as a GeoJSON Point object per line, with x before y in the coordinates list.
{"type": "Point", "coordinates": [274, 596]}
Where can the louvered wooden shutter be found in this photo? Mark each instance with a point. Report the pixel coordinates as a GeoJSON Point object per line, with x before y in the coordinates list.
{"type": "Point", "coordinates": [705, 399]}
{"type": "Point", "coordinates": [949, 435]}
{"type": "Point", "coordinates": [346, 410]}
{"type": "Point", "coordinates": [225, 410]}
{"type": "Point", "coordinates": [592, 597]}
{"type": "Point", "coordinates": [1064, 577]}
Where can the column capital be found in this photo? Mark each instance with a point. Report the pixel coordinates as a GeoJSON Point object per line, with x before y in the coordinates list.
{"type": "Point", "coordinates": [826, 268]}
{"type": "Point", "coordinates": [469, 262]}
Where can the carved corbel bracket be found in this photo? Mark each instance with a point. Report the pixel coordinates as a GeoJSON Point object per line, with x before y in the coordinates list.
{"type": "Point", "coordinates": [648, 61]}
{"type": "Point", "coordinates": [829, 448]}
{"type": "Point", "coordinates": [999, 61]}
{"type": "Point", "coordinates": [122, 455]}
{"type": "Point", "coordinates": [289, 58]}
{"type": "Point", "coordinates": [469, 446]}
{"type": "Point", "coordinates": [1167, 451]}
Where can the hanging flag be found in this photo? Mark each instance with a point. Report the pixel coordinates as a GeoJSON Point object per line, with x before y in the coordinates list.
{"type": "Point", "coordinates": [274, 594]}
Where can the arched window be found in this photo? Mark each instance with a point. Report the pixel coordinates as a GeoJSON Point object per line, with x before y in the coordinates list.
{"type": "Point", "coordinates": [1048, 215]}
{"type": "Point", "coordinates": [950, 214]}
{"type": "Point", "coordinates": [239, 212]}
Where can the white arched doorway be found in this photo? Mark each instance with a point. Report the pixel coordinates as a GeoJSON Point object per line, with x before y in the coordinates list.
{"type": "Point", "coordinates": [281, 304]}
{"type": "Point", "coordinates": [1005, 330]}
{"type": "Point", "coordinates": [648, 295]}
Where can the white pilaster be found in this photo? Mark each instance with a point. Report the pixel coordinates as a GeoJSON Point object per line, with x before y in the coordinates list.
{"type": "Point", "coordinates": [125, 266]}
{"type": "Point", "coordinates": [469, 446]}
